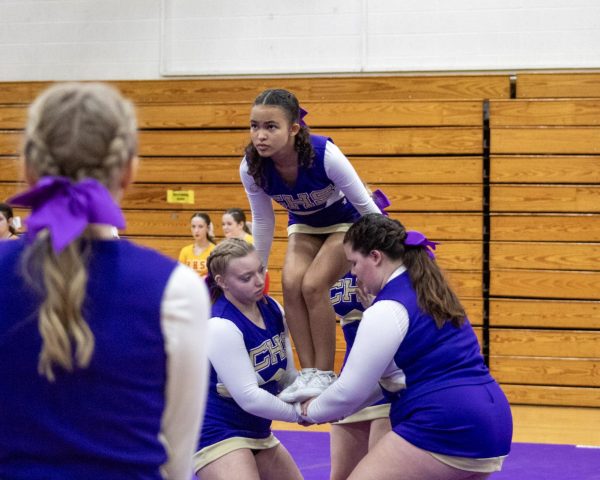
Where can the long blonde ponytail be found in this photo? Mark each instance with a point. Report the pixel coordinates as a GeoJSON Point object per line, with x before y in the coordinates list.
{"type": "Point", "coordinates": [76, 131]}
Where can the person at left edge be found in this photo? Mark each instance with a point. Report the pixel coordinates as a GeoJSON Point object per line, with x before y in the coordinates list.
{"type": "Point", "coordinates": [102, 342]}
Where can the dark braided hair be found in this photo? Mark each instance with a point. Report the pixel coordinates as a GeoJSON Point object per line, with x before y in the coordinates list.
{"type": "Point", "coordinates": [288, 102]}
{"type": "Point", "coordinates": [434, 295]}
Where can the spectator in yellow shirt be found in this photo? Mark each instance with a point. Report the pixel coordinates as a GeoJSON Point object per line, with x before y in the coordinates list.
{"type": "Point", "coordinates": [235, 225]}
{"type": "Point", "coordinates": [196, 254]}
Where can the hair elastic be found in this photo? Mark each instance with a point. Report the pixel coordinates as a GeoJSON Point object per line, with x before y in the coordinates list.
{"type": "Point", "coordinates": [303, 113]}
{"type": "Point", "coordinates": [66, 208]}
{"type": "Point", "coordinates": [417, 239]}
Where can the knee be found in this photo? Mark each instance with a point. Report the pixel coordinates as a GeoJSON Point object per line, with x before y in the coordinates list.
{"type": "Point", "coordinates": [291, 285]}
{"type": "Point", "coordinates": [314, 288]}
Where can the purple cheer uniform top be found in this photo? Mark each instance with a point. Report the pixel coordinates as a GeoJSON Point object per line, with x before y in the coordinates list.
{"type": "Point", "coordinates": [248, 367]}
{"type": "Point", "coordinates": [327, 197]}
{"type": "Point", "coordinates": [124, 415]}
{"type": "Point", "coordinates": [449, 405]}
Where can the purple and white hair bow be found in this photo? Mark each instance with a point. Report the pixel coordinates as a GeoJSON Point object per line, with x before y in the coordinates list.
{"type": "Point", "coordinates": [381, 200]}
{"type": "Point", "coordinates": [303, 114]}
{"type": "Point", "coordinates": [66, 208]}
{"type": "Point", "coordinates": [417, 239]}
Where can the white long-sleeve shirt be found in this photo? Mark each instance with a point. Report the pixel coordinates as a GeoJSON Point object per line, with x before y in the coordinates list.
{"type": "Point", "coordinates": [229, 357]}
{"type": "Point", "coordinates": [371, 362]}
{"type": "Point", "coordinates": [185, 310]}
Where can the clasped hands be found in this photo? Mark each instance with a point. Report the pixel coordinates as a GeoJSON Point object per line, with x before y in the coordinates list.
{"type": "Point", "coordinates": [302, 411]}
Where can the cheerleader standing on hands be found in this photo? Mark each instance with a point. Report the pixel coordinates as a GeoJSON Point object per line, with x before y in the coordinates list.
{"type": "Point", "coordinates": [312, 179]}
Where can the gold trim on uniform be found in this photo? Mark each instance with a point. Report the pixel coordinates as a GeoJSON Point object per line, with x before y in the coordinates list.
{"type": "Point", "coordinates": [366, 414]}
{"type": "Point", "coordinates": [214, 452]}
{"type": "Point", "coordinates": [482, 465]}
{"type": "Point", "coordinates": [353, 316]}
{"type": "Point", "coordinates": [303, 228]}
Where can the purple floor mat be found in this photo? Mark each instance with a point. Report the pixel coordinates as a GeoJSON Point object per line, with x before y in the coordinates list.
{"type": "Point", "coordinates": [527, 461]}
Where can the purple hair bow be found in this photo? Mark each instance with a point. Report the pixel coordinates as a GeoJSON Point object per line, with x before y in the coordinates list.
{"type": "Point", "coordinates": [66, 208]}
{"type": "Point", "coordinates": [381, 200]}
{"type": "Point", "coordinates": [303, 114]}
{"type": "Point", "coordinates": [417, 239]}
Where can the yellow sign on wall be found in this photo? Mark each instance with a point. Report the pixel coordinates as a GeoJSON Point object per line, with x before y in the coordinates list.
{"type": "Point", "coordinates": [180, 196]}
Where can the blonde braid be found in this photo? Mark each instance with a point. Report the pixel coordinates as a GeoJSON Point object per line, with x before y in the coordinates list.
{"type": "Point", "coordinates": [61, 324]}
{"type": "Point", "coordinates": [219, 259]}
{"type": "Point", "coordinates": [37, 153]}
{"type": "Point", "coordinates": [224, 252]}
{"type": "Point", "coordinates": [78, 131]}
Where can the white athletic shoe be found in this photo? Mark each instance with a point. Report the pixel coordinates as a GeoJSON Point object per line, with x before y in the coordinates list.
{"type": "Point", "coordinates": [289, 394]}
{"type": "Point", "coordinates": [316, 385]}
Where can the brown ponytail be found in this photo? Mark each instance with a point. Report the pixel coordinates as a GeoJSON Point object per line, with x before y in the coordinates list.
{"type": "Point", "coordinates": [434, 295]}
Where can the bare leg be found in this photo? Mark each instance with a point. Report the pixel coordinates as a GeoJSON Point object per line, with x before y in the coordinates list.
{"type": "Point", "coordinates": [393, 458]}
{"type": "Point", "coordinates": [275, 464]}
{"type": "Point", "coordinates": [328, 266]}
{"type": "Point", "coordinates": [301, 251]}
{"type": "Point", "coordinates": [379, 427]}
{"type": "Point", "coordinates": [349, 444]}
{"type": "Point", "coordinates": [239, 464]}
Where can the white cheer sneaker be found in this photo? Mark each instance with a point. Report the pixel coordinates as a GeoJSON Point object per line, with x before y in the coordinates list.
{"type": "Point", "coordinates": [290, 393]}
{"type": "Point", "coordinates": [316, 385]}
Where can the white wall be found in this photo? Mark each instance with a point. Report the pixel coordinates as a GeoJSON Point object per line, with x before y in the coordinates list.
{"type": "Point", "coordinates": [79, 39]}
{"type": "Point", "coordinates": [128, 39]}
{"type": "Point", "coordinates": [262, 36]}
{"type": "Point", "coordinates": [483, 34]}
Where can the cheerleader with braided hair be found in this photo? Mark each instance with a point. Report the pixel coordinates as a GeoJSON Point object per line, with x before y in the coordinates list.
{"type": "Point", "coordinates": [251, 360]}
{"type": "Point", "coordinates": [312, 179]}
{"type": "Point", "coordinates": [450, 419]}
{"type": "Point", "coordinates": [102, 342]}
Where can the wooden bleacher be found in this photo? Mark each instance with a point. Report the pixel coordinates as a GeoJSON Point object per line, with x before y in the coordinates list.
{"type": "Point", "coordinates": [544, 241]}
{"type": "Point", "coordinates": [420, 139]}
{"type": "Point", "coordinates": [318, 89]}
